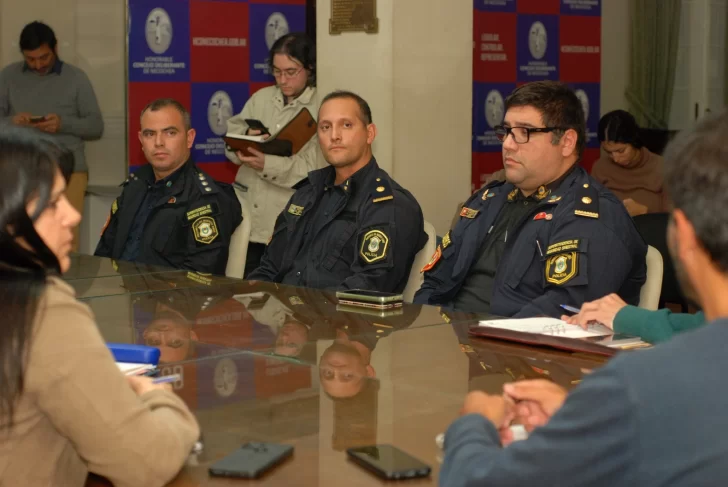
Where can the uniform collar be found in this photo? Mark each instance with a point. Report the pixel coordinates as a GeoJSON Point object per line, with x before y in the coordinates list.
{"type": "Point", "coordinates": [324, 178]}
{"type": "Point", "coordinates": [303, 99]}
{"type": "Point", "coordinates": [56, 69]}
{"type": "Point", "coordinates": [147, 174]}
{"type": "Point", "coordinates": [544, 190]}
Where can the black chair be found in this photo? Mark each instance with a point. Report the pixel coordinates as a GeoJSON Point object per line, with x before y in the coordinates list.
{"type": "Point", "coordinates": [653, 228]}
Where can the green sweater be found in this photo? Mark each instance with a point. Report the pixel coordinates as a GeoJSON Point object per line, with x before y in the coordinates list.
{"type": "Point", "coordinates": [67, 92]}
{"type": "Point", "coordinates": [655, 326]}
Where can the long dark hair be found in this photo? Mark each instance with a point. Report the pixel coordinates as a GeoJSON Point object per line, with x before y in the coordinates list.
{"type": "Point", "coordinates": [28, 165]}
{"type": "Point", "coordinates": [619, 126]}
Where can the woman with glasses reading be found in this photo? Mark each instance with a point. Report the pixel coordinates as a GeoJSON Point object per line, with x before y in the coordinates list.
{"type": "Point", "coordinates": [65, 408]}
{"type": "Point", "coordinates": [264, 181]}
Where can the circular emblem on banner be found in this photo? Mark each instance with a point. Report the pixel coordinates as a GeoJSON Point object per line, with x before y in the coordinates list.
{"type": "Point", "coordinates": [581, 95]}
{"type": "Point", "coordinates": [159, 31]}
{"type": "Point", "coordinates": [219, 109]}
{"type": "Point", "coordinates": [537, 40]}
{"type": "Point", "coordinates": [275, 27]}
{"type": "Point", "coordinates": [226, 377]}
{"type": "Point", "coordinates": [494, 108]}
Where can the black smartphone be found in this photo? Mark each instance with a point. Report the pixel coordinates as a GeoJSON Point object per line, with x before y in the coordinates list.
{"type": "Point", "coordinates": [257, 125]}
{"type": "Point", "coordinates": [388, 462]}
{"type": "Point", "coordinates": [251, 460]}
{"type": "Point", "coordinates": [37, 119]}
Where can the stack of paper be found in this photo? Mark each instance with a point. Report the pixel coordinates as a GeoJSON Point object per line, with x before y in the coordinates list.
{"type": "Point", "coordinates": [548, 326]}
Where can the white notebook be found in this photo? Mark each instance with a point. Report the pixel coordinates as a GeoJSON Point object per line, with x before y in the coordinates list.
{"type": "Point", "coordinates": [548, 326]}
{"type": "Point", "coordinates": [252, 138]}
{"type": "Point", "coordinates": [134, 369]}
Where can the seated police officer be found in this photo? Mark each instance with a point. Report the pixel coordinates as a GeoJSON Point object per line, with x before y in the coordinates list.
{"type": "Point", "coordinates": [550, 234]}
{"type": "Point", "coordinates": [170, 212]}
{"type": "Point", "coordinates": [349, 225]}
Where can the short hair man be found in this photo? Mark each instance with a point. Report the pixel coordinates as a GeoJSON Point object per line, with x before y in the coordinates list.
{"type": "Point", "coordinates": [348, 225]}
{"type": "Point", "coordinates": [171, 213]}
{"type": "Point", "coordinates": [550, 235]}
{"type": "Point", "coordinates": [55, 97]}
{"type": "Point", "coordinates": [629, 423]}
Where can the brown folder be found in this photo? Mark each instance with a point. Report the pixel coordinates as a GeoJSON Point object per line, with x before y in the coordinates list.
{"type": "Point", "coordinates": [551, 341]}
{"type": "Point", "coordinates": [291, 138]}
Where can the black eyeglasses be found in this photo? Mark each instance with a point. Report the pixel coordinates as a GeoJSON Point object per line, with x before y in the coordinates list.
{"type": "Point", "coordinates": [520, 134]}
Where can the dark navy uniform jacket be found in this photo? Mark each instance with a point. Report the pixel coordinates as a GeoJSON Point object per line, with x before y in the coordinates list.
{"type": "Point", "coordinates": [578, 244]}
{"type": "Point", "coordinates": [364, 238]}
{"type": "Point", "coordinates": [188, 223]}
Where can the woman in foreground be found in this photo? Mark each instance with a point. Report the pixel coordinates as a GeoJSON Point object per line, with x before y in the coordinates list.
{"type": "Point", "coordinates": [65, 408]}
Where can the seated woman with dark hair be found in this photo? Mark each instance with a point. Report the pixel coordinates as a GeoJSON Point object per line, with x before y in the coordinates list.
{"type": "Point", "coordinates": [629, 169]}
{"type": "Point", "coordinates": [65, 408]}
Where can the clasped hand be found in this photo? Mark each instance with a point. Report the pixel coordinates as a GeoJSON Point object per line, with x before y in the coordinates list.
{"type": "Point", "coordinates": [529, 402]}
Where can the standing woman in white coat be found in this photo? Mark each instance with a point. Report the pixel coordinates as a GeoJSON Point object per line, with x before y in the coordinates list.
{"type": "Point", "coordinates": [264, 181]}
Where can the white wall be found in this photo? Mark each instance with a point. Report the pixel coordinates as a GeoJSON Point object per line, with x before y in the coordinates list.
{"type": "Point", "coordinates": [615, 54]}
{"type": "Point", "coordinates": [416, 74]}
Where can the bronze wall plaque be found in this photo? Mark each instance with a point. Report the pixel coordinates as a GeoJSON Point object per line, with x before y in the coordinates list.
{"type": "Point", "coordinates": [353, 16]}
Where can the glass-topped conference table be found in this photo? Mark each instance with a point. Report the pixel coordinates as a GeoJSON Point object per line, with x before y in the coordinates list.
{"type": "Point", "coordinates": [267, 362]}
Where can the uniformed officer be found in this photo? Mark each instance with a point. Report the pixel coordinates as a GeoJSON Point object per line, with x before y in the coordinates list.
{"type": "Point", "coordinates": [349, 225]}
{"type": "Point", "coordinates": [170, 212]}
{"type": "Point", "coordinates": [550, 235]}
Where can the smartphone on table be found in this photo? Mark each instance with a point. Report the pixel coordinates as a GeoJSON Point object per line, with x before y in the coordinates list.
{"type": "Point", "coordinates": [251, 460]}
{"type": "Point", "coordinates": [388, 462]}
{"type": "Point", "coordinates": [369, 299]}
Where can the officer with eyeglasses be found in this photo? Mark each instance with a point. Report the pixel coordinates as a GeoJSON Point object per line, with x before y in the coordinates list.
{"type": "Point", "coordinates": [549, 235]}
{"type": "Point", "coordinates": [264, 181]}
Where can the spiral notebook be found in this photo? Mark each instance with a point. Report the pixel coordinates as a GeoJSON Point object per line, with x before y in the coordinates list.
{"type": "Point", "coordinates": [548, 326]}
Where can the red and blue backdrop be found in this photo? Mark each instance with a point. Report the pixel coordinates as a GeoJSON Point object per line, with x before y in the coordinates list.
{"type": "Point", "coordinates": [517, 41]}
{"type": "Point", "coordinates": [209, 55]}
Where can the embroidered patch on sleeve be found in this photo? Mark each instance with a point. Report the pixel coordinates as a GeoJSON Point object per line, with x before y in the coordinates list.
{"type": "Point", "coordinates": [562, 268]}
{"type": "Point", "coordinates": [205, 230]}
{"type": "Point", "coordinates": [374, 246]}
{"type": "Point", "coordinates": [433, 260]}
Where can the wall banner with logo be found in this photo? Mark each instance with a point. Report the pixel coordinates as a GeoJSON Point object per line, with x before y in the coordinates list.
{"type": "Point", "coordinates": [211, 56]}
{"type": "Point", "coordinates": [517, 41]}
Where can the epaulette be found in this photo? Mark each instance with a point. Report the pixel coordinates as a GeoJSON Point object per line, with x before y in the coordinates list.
{"type": "Point", "coordinates": [132, 177]}
{"type": "Point", "coordinates": [586, 201]}
{"type": "Point", "coordinates": [303, 182]}
{"type": "Point", "coordinates": [382, 190]}
{"type": "Point", "coordinates": [205, 183]}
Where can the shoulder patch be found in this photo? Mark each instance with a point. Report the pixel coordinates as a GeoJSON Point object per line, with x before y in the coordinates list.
{"type": "Point", "coordinates": [295, 210]}
{"type": "Point", "coordinates": [115, 206]}
{"type": "Point", "coordinates": [562, 268]}
{"type": "Point", "coordinates": [586, 201]}
{"type": "Point", "coordinates": [205, 230]}
{"type": "Point", "coordinates": [374, 246]}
